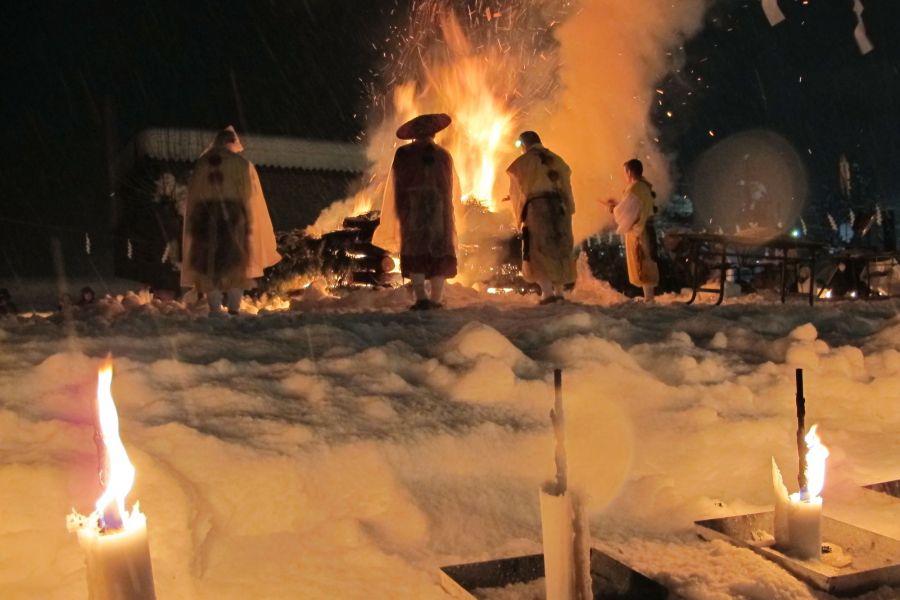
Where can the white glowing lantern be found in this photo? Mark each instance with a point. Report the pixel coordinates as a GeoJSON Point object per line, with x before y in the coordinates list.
{"type": "Point", "coordinates": [115, 543]}
{"type": "Point", "coordinates": [798, 516]}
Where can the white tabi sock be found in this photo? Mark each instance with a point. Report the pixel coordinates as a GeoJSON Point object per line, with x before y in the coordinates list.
{"type": "Point", "coordinates": [546, 288]}
{"type": "Point", "coordinates": [418, 282]}
{"type": "Point", "coordinates": [437, 289]}
{"type": "Point", "coordinates": [233, 299]}
{"type": "Point", "coordinates": [214, 299]}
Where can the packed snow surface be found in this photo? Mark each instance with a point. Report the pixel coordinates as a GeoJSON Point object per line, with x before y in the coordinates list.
{"type": "Point", "coordinates": [347, 448]}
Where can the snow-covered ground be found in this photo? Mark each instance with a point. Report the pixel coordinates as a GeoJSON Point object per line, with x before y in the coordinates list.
{"type": "Point", "coordinates": [347, 448]}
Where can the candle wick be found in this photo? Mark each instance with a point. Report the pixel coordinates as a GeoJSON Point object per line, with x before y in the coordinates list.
{"type": "Point", "coordinates": [111, 519]}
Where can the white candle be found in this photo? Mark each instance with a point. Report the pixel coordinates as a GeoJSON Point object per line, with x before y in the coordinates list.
{"type": "Point", "coordinates": [798, 517]}
{"type": "Point", "coordinates": [804, 519]}
{"type": "Point", "coordinates": [118, 562]}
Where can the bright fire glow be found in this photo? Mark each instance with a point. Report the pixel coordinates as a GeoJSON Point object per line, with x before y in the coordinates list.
{"type": "Point", "coordinates": [815, 463]}
{"type": "Point", "coordinates": [482, 129]}
{"type": "Point", "coordinates": [118, 472]}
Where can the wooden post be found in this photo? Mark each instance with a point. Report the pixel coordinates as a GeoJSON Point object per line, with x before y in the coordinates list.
{"type": "Point", "coordinates": [557, 417]}
{"type": "Point", "coordinates": [564, 526]}
{"type": "Point", "coordinates": [801, 433]}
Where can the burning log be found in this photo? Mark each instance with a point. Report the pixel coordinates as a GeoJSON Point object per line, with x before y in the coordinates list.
{"type": "Point", "coordinates": [345, 257]}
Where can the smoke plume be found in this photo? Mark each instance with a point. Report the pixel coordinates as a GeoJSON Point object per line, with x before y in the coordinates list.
{"type": "Point", "coordinates": [612, 54]}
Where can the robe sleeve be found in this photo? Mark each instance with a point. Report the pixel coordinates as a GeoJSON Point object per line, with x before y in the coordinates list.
{"type": "Point", "coordinates": [567, 191]}
{"type": "Point", "coordinates": [456, 210]}
{"type": "Point", "coordinates": [627, 213]}
{"type": "Point", "coordinates": [456, 193]}
{"type": "Point", "coordinates": [387, 235]}
{"type": "Point", "coordinates": [516, 198]}
{"type": "Point", "coordinates": [264, 246]}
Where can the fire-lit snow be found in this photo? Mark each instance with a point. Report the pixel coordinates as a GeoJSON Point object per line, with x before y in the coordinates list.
{"type": "Point", "coordinates": [347, 448]}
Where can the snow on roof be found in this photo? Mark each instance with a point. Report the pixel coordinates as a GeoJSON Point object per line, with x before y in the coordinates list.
{"type": "Point", "coordinates": [261, 150]}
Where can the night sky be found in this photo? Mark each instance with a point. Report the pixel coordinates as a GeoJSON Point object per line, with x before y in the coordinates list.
{"type": "Point", "coordinates": [81, 78]}
{"type": "Point", "coordinates": [805, 79]}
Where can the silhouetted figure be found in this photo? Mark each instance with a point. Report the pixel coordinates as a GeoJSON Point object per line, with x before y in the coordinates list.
{"type": "Point", "coordinates": [228, 235]}
{"type": "Point", "coordinates": [417, 217]}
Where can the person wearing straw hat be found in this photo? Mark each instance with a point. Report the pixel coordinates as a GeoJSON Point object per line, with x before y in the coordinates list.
{"type": "Point", "coordinates": [540, 194]}
{"type": "Point", "coordinates": [633, 215]}
{"type": "Point", "coordinates": [228, 234]}
{"type": "Point", "coordinates": [417, 215]}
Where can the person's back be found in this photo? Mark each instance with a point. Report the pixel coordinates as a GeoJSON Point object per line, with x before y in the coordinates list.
{"type": "Point", "coordinates": [228, 235]}
{"type": "Point", "coordinates": [220, 175]}
{"type": "Point", "coordinates": [542, 202]}
{"type": "Point", "coordinates": [417, 216]}
{"type": "Point", "coordinates": [539, 171]}
{"type": "Point", "coordinates": [423, 164]}
{"type": "Point", "coordinates": [423, 183]}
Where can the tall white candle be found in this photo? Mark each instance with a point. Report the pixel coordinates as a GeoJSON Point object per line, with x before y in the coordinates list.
{"type": "Point", "coordinates": [564, 529]}
{"type": "Point", "coordinates": [558, 533]}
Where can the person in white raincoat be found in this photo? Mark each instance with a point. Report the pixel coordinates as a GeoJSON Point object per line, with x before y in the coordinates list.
{"type": "Point", "coordinates": [228, 234]}
{"type": "Point", "coordinates": [540, 192]}
{"type": "Point", "coordinates": [417, 216]}
{"type": "Point", "coordinates": [632, 214]}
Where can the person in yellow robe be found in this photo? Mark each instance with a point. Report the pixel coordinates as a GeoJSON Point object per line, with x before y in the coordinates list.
{"type": "Point", "coordinates": [631, 214]}
{"type": "Point", "coordinates": [540, 193]}
{"type": "Point", "coordinates": [228, 234]}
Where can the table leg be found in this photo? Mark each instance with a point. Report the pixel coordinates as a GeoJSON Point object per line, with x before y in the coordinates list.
{"type": "Point", "coordinates": [722, 274]}
{"type": "Point", "coordinates": [812, 277]}
{"type": "Point", "coordinates": [783, 274]}
{"type": "Point", "coordinates": [693, 267]}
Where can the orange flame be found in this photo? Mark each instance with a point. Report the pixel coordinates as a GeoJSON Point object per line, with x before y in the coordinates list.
{"type": "Point", "coordinates": [816, 456]}
{"type": "Point", "coordinates": [465, 87]}
{"type": "Point", "coordinates": [118, 472]}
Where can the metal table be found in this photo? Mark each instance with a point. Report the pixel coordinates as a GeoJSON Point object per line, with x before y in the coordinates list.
{"type": "Point", "coordinates": [727, 251]}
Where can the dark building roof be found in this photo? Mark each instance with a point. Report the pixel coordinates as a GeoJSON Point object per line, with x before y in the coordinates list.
{"type": "Point", "coordinates": [186, 145]}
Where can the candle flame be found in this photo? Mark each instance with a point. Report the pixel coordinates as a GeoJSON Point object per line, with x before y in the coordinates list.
{"type": "Point", "coordinates": [118, 472]}
{"type": "Point", "coordinates": [816, 455]}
